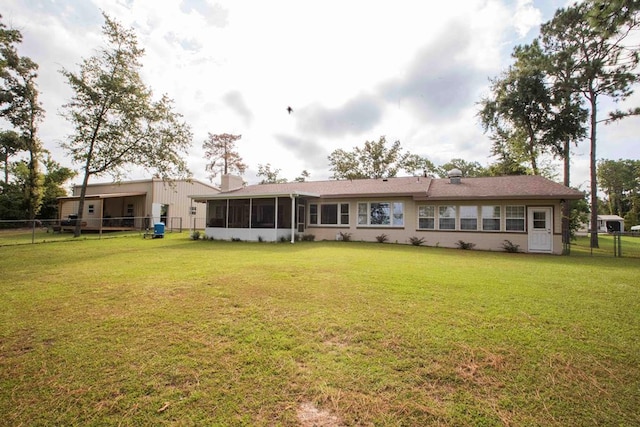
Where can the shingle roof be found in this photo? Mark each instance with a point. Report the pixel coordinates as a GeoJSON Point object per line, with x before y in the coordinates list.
{"type": "Point", "coordinates": [502, 187]}
{"type": "Point", "coordinates": [406, 186]}
{"type": "Point", "coordinates": [420, 188]}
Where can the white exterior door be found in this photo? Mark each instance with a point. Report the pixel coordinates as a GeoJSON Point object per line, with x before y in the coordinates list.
{"type": "Point", "coordinates": [540, 230]}
{"type": "Point", "coordinates": [156, 210]}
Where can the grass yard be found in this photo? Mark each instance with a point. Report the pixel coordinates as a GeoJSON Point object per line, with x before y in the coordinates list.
{"type": "Point", "coordinates": [131, 332]}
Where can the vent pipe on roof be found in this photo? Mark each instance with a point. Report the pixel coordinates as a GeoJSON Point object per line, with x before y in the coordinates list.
{"type": "Point", "coordinates": [455, 175]}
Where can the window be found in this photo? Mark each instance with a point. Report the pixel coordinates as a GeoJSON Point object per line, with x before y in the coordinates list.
{"type": "Point", "coordinates": [427, 217]}
{"type": "Point", "coordinates": [313, 213]}
{"type": "Point", "coordinates": [468, 217]}
{"type": "Point", "coordinates": [363, 218]}
{"type": "Point", "coordinates": [446, 217]}
{"type": "Point", "coordinates": [398, 214]}
{"type": "Point", "coordinates": [539, 220]}
{"type": "Point", "coordinates": [344, 213]}
{"type": "Point", "coordinates": [514, 218]}
{"type": "Point", "coordinates": [385, 214]}
{"type": "Point", "coordinates": [91, 209]}
{"type": "Point", "coordinates": [491, 218]}
{"type": "Point", "coordinates": [329, 214]}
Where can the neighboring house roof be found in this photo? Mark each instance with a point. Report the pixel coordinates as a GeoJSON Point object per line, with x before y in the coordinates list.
{"type": "Point", "coordinates": [610, 218]}
{"type": "Point", "coordinates": [145, 180]}
{"type": "Point", "coordinates": [420, 188]}
{"type": "Point", "coordinates": [104, 196]}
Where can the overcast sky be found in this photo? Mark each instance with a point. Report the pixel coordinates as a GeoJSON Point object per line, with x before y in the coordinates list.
{"type": "Point", "coordinates": [351, 70]}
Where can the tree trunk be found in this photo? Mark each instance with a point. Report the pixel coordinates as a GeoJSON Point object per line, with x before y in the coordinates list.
{"type": "Point", "coordinates": [566, 205]}
{"type": "Point", "coordinates": [83, 193]}
{"type": "Point", "coordinates": [594, 178]}
{"type": "Point", "coordinates": [5, 160]}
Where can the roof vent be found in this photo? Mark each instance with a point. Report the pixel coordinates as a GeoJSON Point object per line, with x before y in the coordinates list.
{"type": "Point", "coordinates": [455, 175]}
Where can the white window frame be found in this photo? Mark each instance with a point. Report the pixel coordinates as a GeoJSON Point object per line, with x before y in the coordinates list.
{"type": "Point", "coordinates": [340, 216]}
{"type": "Point", "coordinates": [445, 208]}
{"type": "Point", "coordinates": [466, 212]}
{"type": "Point", "coordinates": [423, 214]}
{"type": "Point", "coordinates": [508, 215]}
{"type": "Point", "coordinates": [395, 214]}
{"type": "Point", "coordinates": [487, 212]}
{"type": "Point", "coordinates": [312, 214]}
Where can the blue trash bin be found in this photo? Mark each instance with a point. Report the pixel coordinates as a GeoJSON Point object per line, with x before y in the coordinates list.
{"type": "Point", "coordinates": [158, 230]}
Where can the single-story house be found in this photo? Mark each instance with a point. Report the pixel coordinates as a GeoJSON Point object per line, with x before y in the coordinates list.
{"type": "Point", "coordinates": [135, 204]}
{"type": "Point", "coordinates": [609, 224]}
{"type": "Point", "coordinates": [526, 210]}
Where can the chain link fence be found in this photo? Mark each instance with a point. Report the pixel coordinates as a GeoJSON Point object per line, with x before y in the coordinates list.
{"type": "Point", "coordinates": [20, 232]}
{"type": "Point", "coordinates": [616, 244]}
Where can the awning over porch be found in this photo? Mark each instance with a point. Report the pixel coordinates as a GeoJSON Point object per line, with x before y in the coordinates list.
{"type": "Point", "coordinates": [103, 196]}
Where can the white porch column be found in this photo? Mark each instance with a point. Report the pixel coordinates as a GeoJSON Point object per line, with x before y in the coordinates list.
{"type": "Point", "coordinates": [293, 217]}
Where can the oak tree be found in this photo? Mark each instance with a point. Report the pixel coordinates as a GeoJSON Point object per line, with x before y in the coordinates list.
{"type": "Point", "coordinates": [374, 160]}
{"type": "Point", "coordinates": [117, 123]}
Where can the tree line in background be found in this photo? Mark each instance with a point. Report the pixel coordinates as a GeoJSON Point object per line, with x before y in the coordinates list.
{"type": "Point", "coordinates": [541, 106]}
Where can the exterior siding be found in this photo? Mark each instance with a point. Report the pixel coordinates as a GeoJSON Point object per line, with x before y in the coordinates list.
{"type": "Point", "coordinates": [484, 240]}
{"type": "Point", "coordinates": [176, 196]}
{"type": "Point", "coordinates": [524, 210]}
{"type": "Point", "coordinates": [122, 187]}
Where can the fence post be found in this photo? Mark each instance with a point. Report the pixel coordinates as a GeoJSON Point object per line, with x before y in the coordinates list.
{"type": "Point", "coordinates": [33, 232]}
{"type": "Point", "coordinates": [619, 244]}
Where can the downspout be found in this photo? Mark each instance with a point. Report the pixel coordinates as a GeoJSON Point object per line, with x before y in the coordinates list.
{"type": "Point", "coordinates": [275, 234]}
{"type": "Point", "coordinates": [293, 216]}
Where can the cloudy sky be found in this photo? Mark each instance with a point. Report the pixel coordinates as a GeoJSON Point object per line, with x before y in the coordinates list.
{"type": "Point", "coordinates": [351, 70]}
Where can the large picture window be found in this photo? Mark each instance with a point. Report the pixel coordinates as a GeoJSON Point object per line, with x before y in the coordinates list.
{"type": "Point", "coordinates": [514, 216]}
{"type": "Point", "coordinates": [491, 218]}
{"type": "Point", "coordinates": [468, 217]}
{"type": "Point", "coordinates": [381, 214]}
{"type": "Point", "coordinates": [446, 217]}
{"type": "Point", "coordinates": [427, 217]}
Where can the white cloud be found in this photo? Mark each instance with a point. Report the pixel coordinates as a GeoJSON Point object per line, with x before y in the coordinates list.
{"type": "Point", "coordinates": [526, 17]}
{"type": "Point", "coordinates": [352, 71]}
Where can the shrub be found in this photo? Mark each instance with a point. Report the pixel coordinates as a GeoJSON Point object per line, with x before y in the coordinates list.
{"type": "Point", "coordinates": [195, 235]}
{"type": "Point", "coordinates": [509, 246]}
{"type": "Point", "coordinates": [465, 245]}
{"type": "Point", "coordinates": [236, 239]}
{"type": "Point", "coordinates": [345, 237]}
{"type": "Point", "coordinates": [382, 238]}
{"type": "Point", "coordinates": [308, 238]}
{"type": "Point", "coordinates": [416, 241]}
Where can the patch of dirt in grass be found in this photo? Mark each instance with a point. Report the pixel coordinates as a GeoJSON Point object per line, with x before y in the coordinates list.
{"type": "Point", "coordinates": [310, 415]}
{"type": "Point", "coordinates": [475, 364]}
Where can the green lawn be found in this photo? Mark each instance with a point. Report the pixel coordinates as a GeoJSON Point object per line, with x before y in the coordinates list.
{"type": "Point", "coordinates": [130, 332]}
